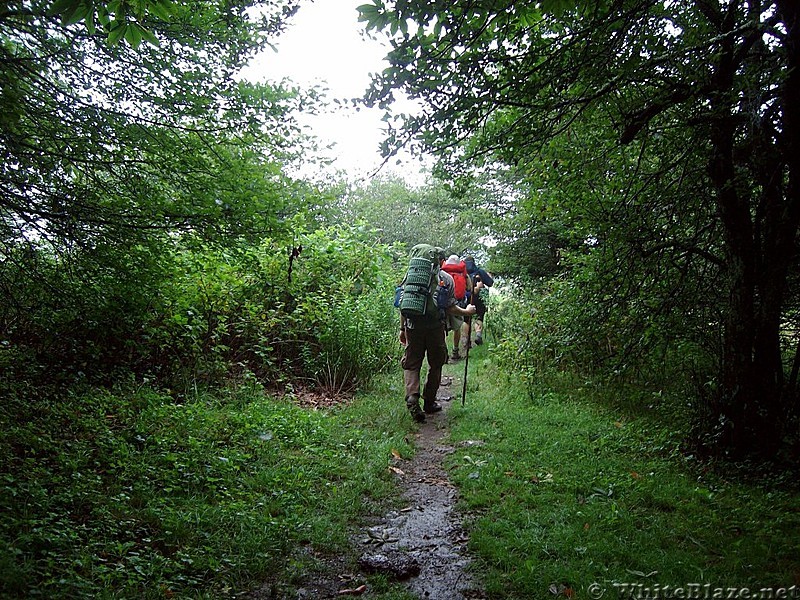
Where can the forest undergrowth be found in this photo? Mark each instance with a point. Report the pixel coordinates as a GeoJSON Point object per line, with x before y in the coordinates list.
{"type": "Point", "coordinates": [569, 488]}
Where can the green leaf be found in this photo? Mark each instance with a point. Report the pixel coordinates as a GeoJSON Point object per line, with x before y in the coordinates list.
{"type": "Point", "coordinates": [79, 13]}
{"type": "Point", "coordinates": [557, 7]}
{"type": "Point", "coordinates": [102, 16]}
{"type": "Point", "coordinates": [133, 35]}
{"type": "Point", "coordinates": [61, 6]}
{"type": "Point", "coordinates": [150, 37]}
{"type": "Point", "coordinates": [118, 30]}
{"type": "Point", "coordinates": [367, 12]}
{"type": "Point", "coordinates": [163, 10]}
{"type": "Point", "coordinates": [89, 22]}
{"type": "Point", "coordinates": [529, 16]}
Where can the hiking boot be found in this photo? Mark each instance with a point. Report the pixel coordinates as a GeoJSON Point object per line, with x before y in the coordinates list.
{"type": "Point", "coordinates": [455, 355]}
{"type": "Point", "coordinates": [478, 339]}
{"type": "Point", "coordinates": [431, 407]}
{"type": "Point", "coordinates": [412, 402]}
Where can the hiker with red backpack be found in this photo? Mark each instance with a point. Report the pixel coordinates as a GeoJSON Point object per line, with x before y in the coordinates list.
{"type": "Point", "coordinates": [457, 269]}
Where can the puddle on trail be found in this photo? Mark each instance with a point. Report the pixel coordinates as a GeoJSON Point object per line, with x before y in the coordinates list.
{"type": "Point", "coordinates": [426, 534]}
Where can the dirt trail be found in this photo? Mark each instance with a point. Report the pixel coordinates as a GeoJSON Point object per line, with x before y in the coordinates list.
{"type": "Point", "coordinates": [427, 531]}
{"type": "Point", "coordinates": [421, 545]}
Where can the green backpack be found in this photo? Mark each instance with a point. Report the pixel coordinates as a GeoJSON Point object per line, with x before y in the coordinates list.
{"type": "Point", "coordinates": [418, 297]}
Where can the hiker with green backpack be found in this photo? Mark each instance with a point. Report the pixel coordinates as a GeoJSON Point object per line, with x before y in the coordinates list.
{"type": "Point", "coordinates": [426, 299]}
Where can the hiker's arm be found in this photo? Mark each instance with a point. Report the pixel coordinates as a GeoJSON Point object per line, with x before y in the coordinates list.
{"type": "Point", "coordinates": [455, 309]}
{"type": "Point", "coordinates": [402, 330]}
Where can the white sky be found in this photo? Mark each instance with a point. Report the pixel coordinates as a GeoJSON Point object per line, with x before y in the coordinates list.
{"type": "Point", "coordinates": [324, 45]}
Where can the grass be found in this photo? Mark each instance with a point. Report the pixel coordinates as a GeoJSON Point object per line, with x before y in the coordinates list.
{"type": "Point", "coordinates": [565, 483]}
{"type": "Point", "coordinates": [574, 483]}
{"type": "Point", "coordinates": [132, 495]}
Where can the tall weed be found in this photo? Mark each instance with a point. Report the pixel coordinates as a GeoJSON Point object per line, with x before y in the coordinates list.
{"type": "Point", "coordinates": [199, 314]}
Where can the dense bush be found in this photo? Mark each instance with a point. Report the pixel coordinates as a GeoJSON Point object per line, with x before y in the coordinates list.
{"type": "Point", "coordinates": [198, 313]}
{"type": "Point", "coordinates": [572, 322]}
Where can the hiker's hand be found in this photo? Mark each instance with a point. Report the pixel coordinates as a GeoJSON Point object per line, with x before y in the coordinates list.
{"type": "Point", "coordinates": [403, 337]}
{"type": "Point", "coordinates": [471, 310]}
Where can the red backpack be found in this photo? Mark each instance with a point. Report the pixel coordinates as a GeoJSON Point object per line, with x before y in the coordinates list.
{"type": "Point", "coordinates": [459, 274]}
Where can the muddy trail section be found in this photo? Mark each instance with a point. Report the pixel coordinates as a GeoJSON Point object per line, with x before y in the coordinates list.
{"type": "Point", "coordinates": [424, 542]}
{"type": "Point", "coordinates": [421, 545]}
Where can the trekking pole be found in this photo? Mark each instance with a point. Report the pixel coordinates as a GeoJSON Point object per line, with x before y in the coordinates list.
{"type": "Point", "coordinates": [466, 360]}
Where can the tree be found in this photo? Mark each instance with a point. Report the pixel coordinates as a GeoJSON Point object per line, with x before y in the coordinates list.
{"type": "Point", "coordinates": [97, 134]}
{"type": "Point", "coordinates": [114, 149]}
{"type": "Point", "coordinates": [431, 213]}
{"type": "Point", "coordinates": [708, 83]}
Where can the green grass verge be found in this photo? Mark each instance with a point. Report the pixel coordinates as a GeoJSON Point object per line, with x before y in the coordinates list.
{"type": "Point", "coordinates": [574, 483]}
{"type": "Point", "coordinates": [131, 495]}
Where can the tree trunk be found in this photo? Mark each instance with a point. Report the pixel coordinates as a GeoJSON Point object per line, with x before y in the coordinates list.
{"type": "Point", "coordinates": [790, 15]}
{"type": "Point", "coordinates": [760, 248]}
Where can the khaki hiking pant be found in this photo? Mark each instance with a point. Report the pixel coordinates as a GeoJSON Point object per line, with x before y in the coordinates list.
{"type": "Point", "coordinates": [422, 343]}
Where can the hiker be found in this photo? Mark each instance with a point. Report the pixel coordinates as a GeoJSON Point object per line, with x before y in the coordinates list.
{"type": "Point", "coordinates": [481, 281]}
{"type": "Point", "coordinates": [424, 334]}
{"type": "Point", "coordinates": [457, 269]}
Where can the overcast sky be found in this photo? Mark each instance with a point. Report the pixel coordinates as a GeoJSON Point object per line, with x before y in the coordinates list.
{"type": "Point", "coordinates": [324, 45]}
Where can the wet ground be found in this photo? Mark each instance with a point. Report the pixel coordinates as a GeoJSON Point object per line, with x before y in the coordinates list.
{"type": "Point", "coordinates": [421, 545]}
{"type": "Point", "coordinates": [428, 529]}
